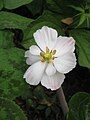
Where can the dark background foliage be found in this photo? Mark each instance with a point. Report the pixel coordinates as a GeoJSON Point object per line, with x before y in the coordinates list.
{"type": "Point", "coordinates": [19, 19]}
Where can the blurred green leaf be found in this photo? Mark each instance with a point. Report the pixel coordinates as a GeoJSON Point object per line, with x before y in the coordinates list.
{"type": "Point", "coordinates": [88, 15]}
{"type": "Point", "coordinates": [41, 107]}
{"type": "Point", "coordinates": [53, 5]}
{"type": "Point", "coordinates": [79, 107]}
{"type": "Point", "coordinates": [62, 6]}
{"type": "Point", "coordinates": [82, 38]}
{"type": "Point", "coordinates": [6, 43]}
{"type": "Point", "coordinates": [82, 19]}
{"type": "Point", "coordinates": [47, 19]}
{"type": "Point", "coordinates": [47, 112]}
{"type": "Point", "coordinates": [12, 67]}
{"type": "Point", "coordinates": [10, 111]}
{"type": "Point", "coordinates": [80, 9]}
{"type": "Point", "coordinates": [12, 4]}
{"type": "Point", "coordinates": [32, 103]}
{"type": "Point", "coordinates": [11, 20]}
{"type": "Point", "coordinates": [39, 93]}
{"type": "Point", "coordinates": [1, 4]}
{"type": "Point", "coordinates": [35, 7]}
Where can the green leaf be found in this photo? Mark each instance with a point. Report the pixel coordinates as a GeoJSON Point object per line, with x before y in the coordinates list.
{"type": "Point", "coordinates": [87, 15]}
{"type": "Point", "coordinates": [11, 20]}
{"type": "Point", "coordinates": [1, 4]}
{"type": "Point", "coordinates": [12, 4]}
{"type": "Point", "coordinates": [77, 8]}
{"type": "Point", "coordinates": [10, 111]}
{"type": "Point", "coordinates": [82, 19]}
{"type": "Point", "coordinates": [47, 19]}
{"type": "Point", "coordinates": [12, 68]}
{"type": "Point", "coordinates": [82, 38]}
{"type": "Point", "coordinates": [6, 43]}
{"type": "Point", "coordinates": [53, 5]}
{"type": "Point", "coordinates": [79, 107]}
{"type": "Point", "coordinates": [35, 7]}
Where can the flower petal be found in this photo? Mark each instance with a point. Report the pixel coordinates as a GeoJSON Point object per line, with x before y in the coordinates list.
{"type": "Point", "coordinates": [65, 63]}
{"type": "Point", "coordinates": [34, 73]}
{"type": "Point", "coordinates": [45, 37]}
{"type": "Point", "coordinates": [50, 70]}
{"type": "Point", "coordinates": [64, 45]}
{"type": "Point", "coordinates": [31, 58]}
{"type": "Point", "coordinates": [53, 82]}
{"type": "Point", "coordinates": [27, 53]}
{"type": "Point", "coordinates": [35, 50]}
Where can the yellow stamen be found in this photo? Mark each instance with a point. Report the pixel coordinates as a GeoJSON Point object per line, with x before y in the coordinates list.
{"type": "Point", "coordinates": [42, 60]}
{"type": "Point", "coordinates": [48, 55]}
{"type": "Point", "coordinates": [54, 52]}
{"type": "Point", "coordinates": [42, 54]}
{"type": "Point", "coordinates": [47, 49]}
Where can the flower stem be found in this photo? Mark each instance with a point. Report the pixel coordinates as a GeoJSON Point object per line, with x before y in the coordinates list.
{"type": "Point", "coordinates": [62, 101]}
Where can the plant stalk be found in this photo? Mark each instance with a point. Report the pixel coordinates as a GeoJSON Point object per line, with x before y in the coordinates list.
{"type": "Point", "coordinates": [62, 101]}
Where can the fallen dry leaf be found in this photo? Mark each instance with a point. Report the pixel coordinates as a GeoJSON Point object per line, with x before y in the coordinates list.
{"type": "Point", "coordinates": [67, 21]}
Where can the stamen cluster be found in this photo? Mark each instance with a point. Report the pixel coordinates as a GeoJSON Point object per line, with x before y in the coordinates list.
{"type": "Point", "coordinates": [47, 56]}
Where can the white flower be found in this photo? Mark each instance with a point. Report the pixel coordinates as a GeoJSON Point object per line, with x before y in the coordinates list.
{"type": "Point", "coordinates": [51, 59]}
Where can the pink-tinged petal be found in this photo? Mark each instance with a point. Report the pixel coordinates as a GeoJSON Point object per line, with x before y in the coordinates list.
{"type": "Point", "coordinates": [35, 50]}
{"type": "Point", "coordinates": [27, 53]}
{"type": "Point", "coordinates": [53, 82]}
{"type": "Point", "coordinates": [65, 63]}
{"type": "Point", "coordinates": [50, 70]}
{"type": "Point", "coordinates": [64, 45]}
{"type": "Point", "coordinates": [31, 58]}
{"type": "Point", "coordinates": [45, 37]}
{"type": "Point", "coordinates": [34, 73]}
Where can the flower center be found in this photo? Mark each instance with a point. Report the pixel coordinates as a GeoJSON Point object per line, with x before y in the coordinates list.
{"type": "Point", "coordinates": [48, 55]}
